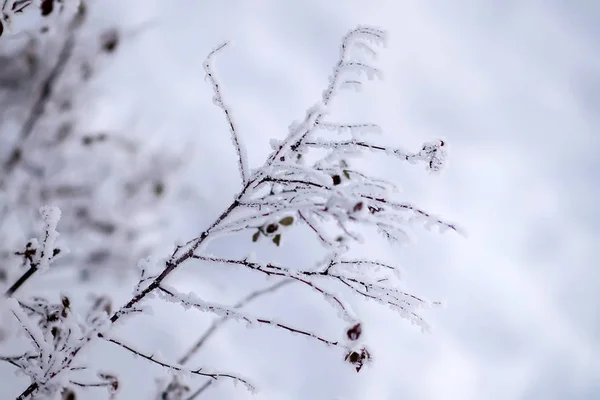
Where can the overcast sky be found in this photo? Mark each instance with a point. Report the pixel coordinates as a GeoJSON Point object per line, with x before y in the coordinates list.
{"type": "Point", "coordinates": [514, 88]}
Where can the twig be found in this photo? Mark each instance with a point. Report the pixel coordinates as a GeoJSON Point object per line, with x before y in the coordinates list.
{"type": "Point", "coordinates": [175, 367]}
{"type": "Point", "coordinates": [22, 279]}
{"type": "Point", "coordinates": [200, 390]}
{"type": "Point", "coordinates": [242, 160]}
{"type": "Point", "coordinates": [218, 323]}
{"type": "Point", "coordinates": [40, 104]}
{"type": "Point", "coordinates": [249, 319]}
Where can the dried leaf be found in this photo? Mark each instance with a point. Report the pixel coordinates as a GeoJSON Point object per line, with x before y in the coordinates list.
{"type": "Point", "coordinates": [287, 221]}
{"type": "Point", "coordinates": [277, 239]}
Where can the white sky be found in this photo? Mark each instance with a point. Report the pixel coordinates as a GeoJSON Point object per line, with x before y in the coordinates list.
{"type": "Point", "coordinates": [514, 87]}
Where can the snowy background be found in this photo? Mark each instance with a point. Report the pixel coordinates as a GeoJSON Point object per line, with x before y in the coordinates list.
{"type": "Point", "coordinates": [513, 87]}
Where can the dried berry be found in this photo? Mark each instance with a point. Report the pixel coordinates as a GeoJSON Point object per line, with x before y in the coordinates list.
{"type": "Point", "coordinates": [354, 332]}
{"type": "Point", "coordinates": [358, 206]}
{"type": "Point", "coordinates": [271, 228]}
{"type": "Point", "coordinates": [47, 6]}
{"type": "Point", "coordinates": [109, 41]}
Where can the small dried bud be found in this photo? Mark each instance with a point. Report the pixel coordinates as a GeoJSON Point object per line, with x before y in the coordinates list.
{"type": "Point", "coordinates": [353, 357]}
{"type": "Point", "coordinates": [55, 331]}
{"type": "Point", "coordinates": [336, 179]}
{"type": "Point", "coordinates": [68, 394]}
{"type": "Point", "coordinates": [271, 228]}
{"type": "Point", "coordinates": [358, 358]}
{"type": "Point", "coordinates": [354, 332]}
{"type": "Point", "coordinates": [66, 306]}
{"type": "Point", "coordinates": [158, 188]}
{"type": "Point", "coordinates": [109, 41]}
{"type": "Point", "coordinates": [277, 239]}
{"type": "Point", "coordinates": [358, 206]}
{"type": "Point", "coordinates": [47, 6]}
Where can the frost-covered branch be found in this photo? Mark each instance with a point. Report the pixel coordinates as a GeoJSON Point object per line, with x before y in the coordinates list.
{"type": "Point", "coordinates": [174, 386]}
{"type": "Point", "coordinates": [38, 256]}
{"type": "Point", "coordinates": [362, 37]}
{"type": "Point", "coordinates": [219, 322]}
{"type": "Point", "coordinates": [218, 100]}
{"type": "Point", "coordinates": [371, 279]}
{"type": "Point", "coordinates": [198, 371]}
{"type": "Point", "coordinates": [190, 300]}
{"type": "Point", "coordinates": [306, 179]}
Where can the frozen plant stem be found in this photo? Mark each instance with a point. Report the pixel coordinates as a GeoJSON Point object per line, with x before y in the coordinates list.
{"type": "Point", "coordinates": [218, 99]}
{"type": "Point", "coordinates": [211, 331]}
{"type": "Point", "coordinates": [22, 279]}
{"type": "Point", "coordinates": [283, 192]}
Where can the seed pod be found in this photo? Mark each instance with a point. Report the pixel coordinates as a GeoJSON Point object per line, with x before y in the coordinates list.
{"type": "Point", "coordinates": [354, 332]}
{"type": "Point", "coordinates": [271, 228]}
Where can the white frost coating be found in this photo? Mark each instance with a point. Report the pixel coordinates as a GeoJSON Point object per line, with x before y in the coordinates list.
{"type": "Point", "coordinates": [50, 216]}
{"type": "Point", "coordinates": [251, 257]}
{"type": "Point", "coordinates": [219, 102]}
{"type": "Point", "coordinates": [145, 275]}
{"type": "Point", "coordinates": [326, 191]}
{"type": "Point", "coordinates": [33, 331]}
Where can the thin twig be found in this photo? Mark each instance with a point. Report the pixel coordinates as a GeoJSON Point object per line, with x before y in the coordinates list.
{"type": "Point", "coordinates": [175, 367]}
{"type": "Point", "coordinates": [39, 106]}
{"type": "Point", "coordinates": [22, 279]}
{"type": "Point", "coordinates": [218, 323]}
{"type": "Point", "coordinates": [242, 161]}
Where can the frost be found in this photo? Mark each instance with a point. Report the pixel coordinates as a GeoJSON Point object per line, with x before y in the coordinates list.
{"type": "Point", "coordinates": [310, 182]}
{"type": "Point", "coordinates": [50, 216]}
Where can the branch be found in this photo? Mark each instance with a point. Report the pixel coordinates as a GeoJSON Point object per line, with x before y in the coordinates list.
{"type": "Point", "coordinates": [13, 360]}
{"type": "Point", "coordinates": [218, 99]}
{"type": "Point", "coordinates": [218, 323]}
{"type": "Point", "coordinates": [300, 276]}
{"type": "Point", "coordinates": [229, 313]}
{"type": "Point", "coordinates": [403, 302]}
{"type": "Point", "coordinates": [40, 104]}
{"type": "Point", "coordinates": [213, 328]}
{"type": "Point", "coordinates": [199, 391]}
{"type": "Point", "coordinates": [39, 258]}
{"type": "Point", "coordinates": [19, 282]}
{"type": "Point", "coordinates": [178, 368]}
